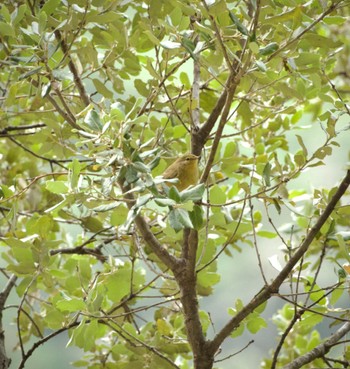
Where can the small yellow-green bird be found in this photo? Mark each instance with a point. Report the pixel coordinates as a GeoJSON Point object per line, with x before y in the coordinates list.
{"type": "Point", "coordinates": [185, 169]}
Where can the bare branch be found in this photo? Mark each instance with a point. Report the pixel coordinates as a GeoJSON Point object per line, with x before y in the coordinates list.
{"type": "Point", "coordinates": [169, 260]}
{"type": "Point", "coordinates": [195, 95]}
{"type": "Point", "coordinates": [29, 353]}
{"type": "Point", "coordinates": [223, 120]}
{"type": "Point", "coordinates": [321, 349]}
{"type": "Point", "coordinates": [77, 80]}
{"type": "Point", "coordinates": [273, 288]}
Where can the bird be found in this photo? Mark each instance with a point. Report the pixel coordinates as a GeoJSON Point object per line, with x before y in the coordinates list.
{"type": "Point", "coordinates": [185, 169]}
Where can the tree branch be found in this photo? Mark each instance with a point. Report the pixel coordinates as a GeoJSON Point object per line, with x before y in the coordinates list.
{"type": "Point", "coordinates": [199, 137]}
{"type": "Point", "coordinates": [229, 97]}
{"type": "Point", "coordinates": [29, 353]}
{"type": "Point", "coordinates": [70, 119]}
{"type": "Point", "coordinates": [186, 278]}
{"type": "Point", "coordinates": [319, 350]}
{"type": "Point", "coordinates": [162, 253]}
{"type": "Point", "coordinates": [4, 360]}
{"type": "Point", "coordinates": [331, 8]}
{"type": "Point", "coordinates": [169, 260]}
{"type": "Point", "coordinates": [77, 80]}
{"type": "Point", "coordinates": [271, 289]}
{"type": "Point", "coordinates": [195, 94]}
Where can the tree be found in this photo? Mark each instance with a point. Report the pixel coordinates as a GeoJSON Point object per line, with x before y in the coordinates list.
{"type": "Point", "coordinates": [97, 97]}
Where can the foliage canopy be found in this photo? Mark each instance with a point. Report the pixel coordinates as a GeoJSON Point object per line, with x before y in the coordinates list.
{"type": "Point", "coordinates": [96, 99]}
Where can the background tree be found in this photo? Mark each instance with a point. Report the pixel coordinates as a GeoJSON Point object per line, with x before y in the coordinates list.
{"type": "Point", "coordinates": [96, 98]}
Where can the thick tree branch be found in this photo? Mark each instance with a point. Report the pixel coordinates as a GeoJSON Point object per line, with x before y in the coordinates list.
{"type": "Point", "coordinates": [272, 288]}
{"type": "Point", "coordinates": [199, 137]}
{"type": "Point", "coordinates": [186, 278]}
{"type": "Point", "coordinates": [195, 107]}
{"type": "Point", "coordinates": [321, 349]}
{"type": "Point", "coordinates": [229, 97]}
{"type": "Point", "coordinates": [77, 80]}
{"type": "Point", "coordinates": [162, 253]}
{"type": "Point", "coordinates": [169, 260]}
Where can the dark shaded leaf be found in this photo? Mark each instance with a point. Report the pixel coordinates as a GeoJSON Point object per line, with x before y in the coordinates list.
{"type": "Point", "coordinates": [241, 27]}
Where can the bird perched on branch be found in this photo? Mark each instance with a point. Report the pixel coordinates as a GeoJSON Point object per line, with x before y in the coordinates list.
{"type": "Point", "coordinates": [185, 169]}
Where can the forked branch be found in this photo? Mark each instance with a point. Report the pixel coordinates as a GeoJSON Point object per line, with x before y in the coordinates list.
{"type": "Point", "coordinates": [273, 288]}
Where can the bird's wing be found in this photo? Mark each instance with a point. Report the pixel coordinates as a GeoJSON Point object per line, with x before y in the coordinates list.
{"type": "Point", "coordinates": [171, 172]}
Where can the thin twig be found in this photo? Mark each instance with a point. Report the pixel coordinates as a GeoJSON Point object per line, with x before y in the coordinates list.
{"type": "Point", "coordinates": [255, 242]}
{"type": "Point", "coordinates": [274, 286]}
{"type": "Point", "coordinates": [331, 8]}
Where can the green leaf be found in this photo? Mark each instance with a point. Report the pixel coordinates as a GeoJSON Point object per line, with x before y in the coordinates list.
{"type": "Point", "coordinates": [316, 293]}
{"type": "Point", "coordinates": [102, 89]}
{"type": "Point", "coordinates": [174, 221]}
{"type": "Point", "coordinates": [132, 214]}
{"type": "Point", "coordinates": [216, 195]}
{"type": "Point", "coordinates": [336, 295]}
{"type": "Point", "coordinates": [18, 14]}
{"type": "Point", "coordinates": [142, 200]}
{"type": "Point", "coordinates": [119, 215]}
{"type": "Point", "coordinates": [152, 37]}
{"type": "Point", "coordinates": [301, 143]}
{"type": "Point", "coordinates": [196, 216]}
{"type": "Point", "coordinates": [322, 152]}
{"type": "Point", "coordinates": [70, 304]}
{"type": "Point", "coordinates": [29, 73]}
{"type": "Point", "coordinates": [75, 168]}
{"type": "Point", "coordinates": [174, 194]}
{"type": "Point", "coordinates": [342, 247]}
{"type": "Point", "coordinates": [164, 202]}
{"type": "Point", "coordinates": [45, 90]}
{"type": "Point", "coordinates": [179, 219]}
{"type": "Point", "coordinates": [337, 20]}
{"type": "Point", "coordinates": [93, 224]}
{"type": "Point", "coordinates": [238, 331]}
{"type": "Point", "coordinates": [308, 58]}
{"type": "Point", "coordinates": [255, 323]}
{"type": "Point", "coordinates": [170, 45]}
{"type": "Point", "coordinates": [266, 234]}
{"type": "Point", "coordinates": [268, 49]}
{"type": "Point", "coordinates": [141, 87]}
{"type": "Point", "coordinates": [92, 120]}
{"type": "Point", "coordinates": [299, 159]}
{"type": "Point", "coordinates": [261, 65]}
{"type": "Point", "coordinates": [118, 284]}
{"type": "Point", "coordinates": [267, 174]}
{"type": "Point", "coordinates": [131, 174]}
{"type": "Point", "coordinates": [50, 6]}
{"type": "Point", "coordinates": [7, 30]}
{"type": "Point", "coordinates": [194, 193]}
{"type": "Point", "coordinates": [241, 27]}
{"type": "Point", "coordinates": [140, 167]}
{"type": "Point", "coordinates": [58, 187]}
